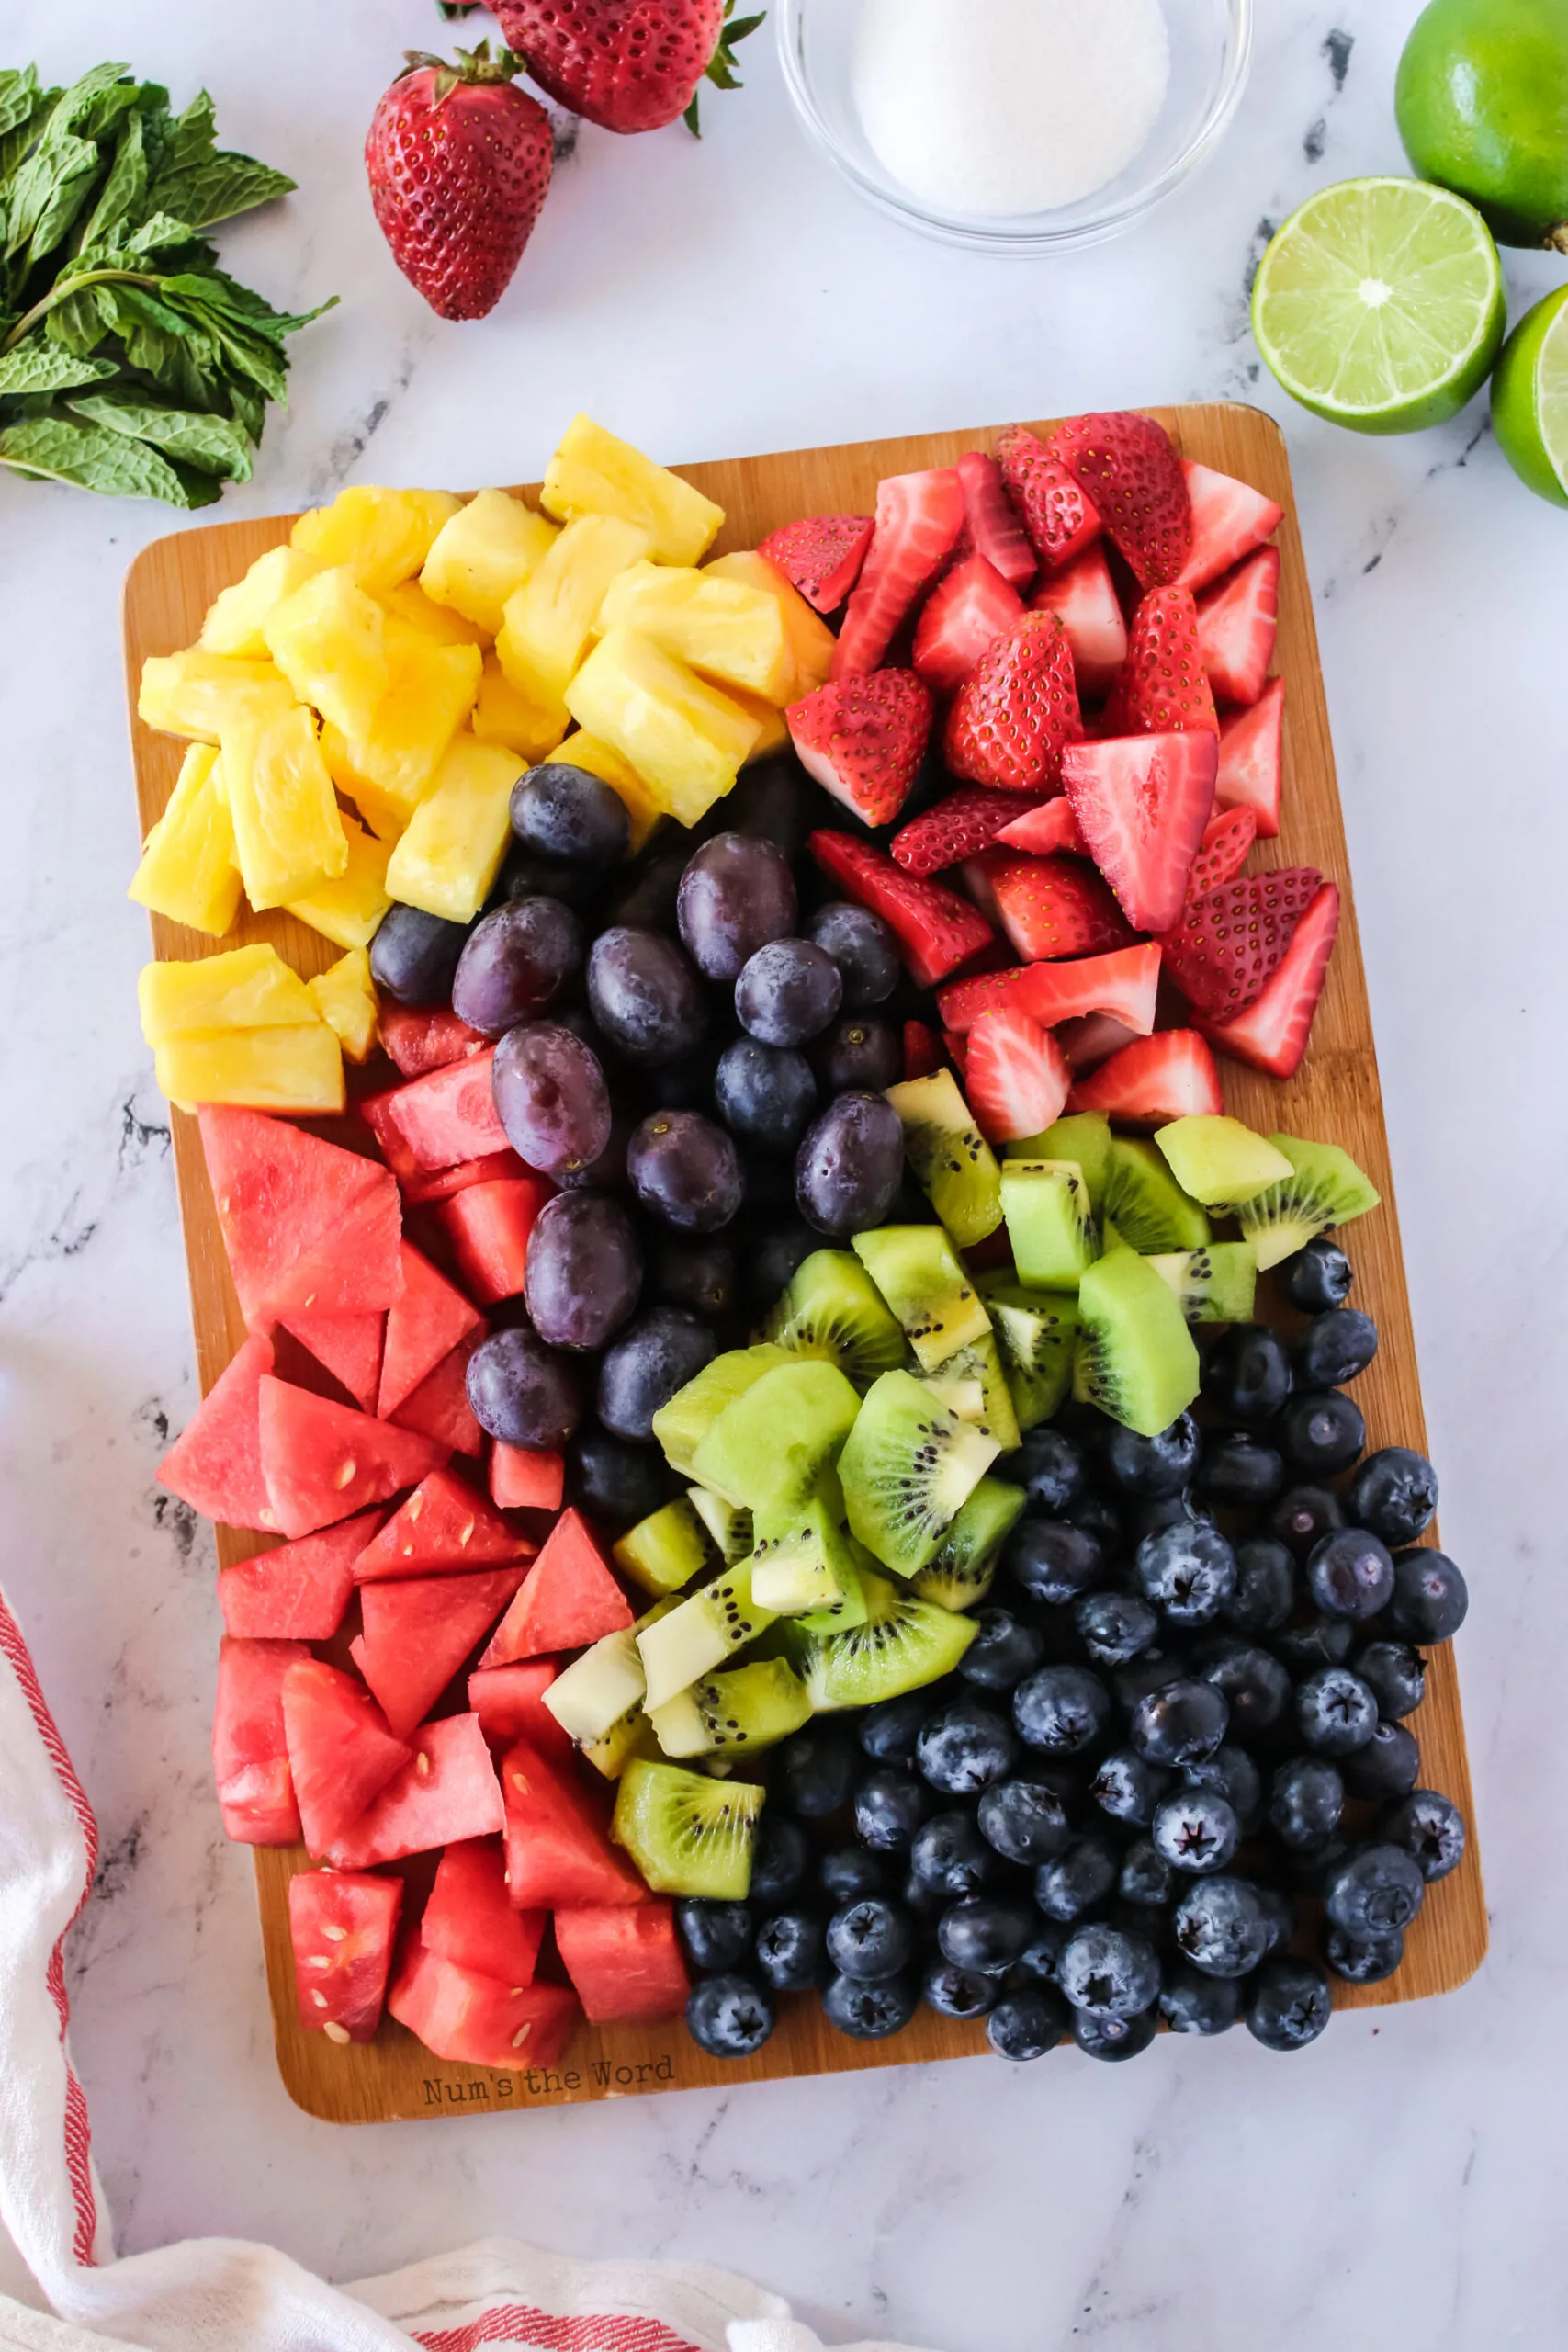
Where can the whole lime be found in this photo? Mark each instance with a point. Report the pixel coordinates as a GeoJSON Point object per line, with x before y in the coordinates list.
{"type": "Point", "coordinates": [1482, 100]}
{"type": "Point", "coordinates": [1529, 399]}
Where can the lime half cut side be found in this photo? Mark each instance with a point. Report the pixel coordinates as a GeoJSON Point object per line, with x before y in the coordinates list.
{"type": "Point", "coordinates": [1379, 304]}
{"type": "Point", "coordinates": [1529, 399]}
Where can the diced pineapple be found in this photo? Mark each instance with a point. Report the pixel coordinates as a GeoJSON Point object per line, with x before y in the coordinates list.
{"type": "Point", "coordinates": [385, 535]}
{"type": "Point", "coordinates": [412, 608]}
{"type": "Point", "coordinates": [289, 836]}
{"type": "Point", "coordinates": [330, 641]}
{"type": "Point", "coordinates": [250, 988]}
{"type": "Point", "coordinates": [484, 555]}
{"type": "Point", "coordinates": [191, 693]}
{"type": "Point", "coordinates": [236, 619]}
{"type": "Point", "coordinates": [590, 752]}
{"type": "Point", "coordinates": [503, 715]}
{"type": "Point", "coordinates": [592, 473]}
{"type": "Point", "coordinates": [684, 739]}
{"type": "Point", "coordinates": [547, 624]}
{"type": "Point", "coordinates": [725, 628]}
{"type": "Point", "coordinates": [187, 870]}
{"type": "Point", "coordinates": [293, 1071]}
{"type": "Point", "coordinates": [452, 851]}
{"type": "Point", "coordinates": [432, 687]}
{"type": "Point", "coordinates": [775, 727]}
{"type": "Point", "coordinates": [385, 819]}
{"type": "Point", "coordinates": [811, 641]}
{"type": "Point", "coordinates": [349, 910]}
{"type": "Point", "coordinates": [344, 996]}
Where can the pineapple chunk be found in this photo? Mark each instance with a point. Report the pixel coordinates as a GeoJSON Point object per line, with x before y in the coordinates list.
{"type": "Point", "coordinates": [549, 620]}
{"type": "Point", "coordinates": [385, 818]}
{"type": "Point", "coordinates": [723, 627]}
{"type": "Point", "coordinates": [187, 870]}
{"type": "Point", "coordinates": [289, 836]}
{"type": "Point", "coordinates": [192, 693]}
{"type": "Point", "coordinates": [484, 555]}
{"type": "Point", "coordinates": [811, 641]}
{"type": "Point", "coordinates": [236, 620]}
{"type": "Point", "coordinates": [297, 1070]}
{"type": "Point", "coordinates": [250, 988]}
{"type": "Point", "coordinates": [452, 851]}
{"type": "Point", "coordinates": [684, 739]}
{"type": "Point", "coordinates": [384, 535]}
{"type": "Point", "coordinates": [582, 751]}
{"type": "Point", "coordinates": [592, 473]}
{"type": "Point", "coordinates": [344, 996]}
{"type": "Point", "coordinates": [432, 691]}
{"type": "Point", "coordinates": [503, 715]}
{"type": "Point", "coordinates": [411, 608]}
{"type": "Point", "coordinates": [349, 910]}
{"type": "Point", "coordinates": [770, 719]}
{"type": "Point", "coordinates": [330, 641]}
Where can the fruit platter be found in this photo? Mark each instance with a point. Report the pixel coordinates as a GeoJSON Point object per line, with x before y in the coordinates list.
{"type": "Point", "coordinates": [793, 1269]}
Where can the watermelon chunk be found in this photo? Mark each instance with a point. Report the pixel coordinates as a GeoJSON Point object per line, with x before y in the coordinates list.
{"type": "Point", "coordinates": [341, 1925]}
{"type": "Point", "coordinates": [447, 1790]}
{"type": "Point", "coordinates": [556, 1851]}
{"type": "Point", "coordinates": [470, 1919]}
{"type": "Point", "coordinates": [324, 1461]}
{"type": "Point", "coordinates": [439, 1183]}
{"type": "Point", "coordinates": [426, 1036]}
{"type": "Point", "coordinates": [348, 1345]}
{"type": "Point", "coordinates": [439, 1407]}
{"type": "Point", "coordinates": [624, 1963]}
{"type": "Point", "coordinates": [449, 1115]}
{"type": "Point", "coordinates": [478, 2021]}
{"type": "Point", "coordinates": [522, 1479]}
{"type": "Point", "coordinates": [298, 1591]}
{"type": "Point", "coordinates": [444, 1525]}
{"type": "Point", "coordinates": [216, 1463]}
{"type": "Point", "coordinates": [358, 1268]}
{"type": "Point", "coordinates": [429, 1318]}
{"type": "Point", "coordinates": [250, 1749]}
{"type": "Point", "coordinates": [509, 1703]}
{"type": "Point", "coordinates": [487, 1226]}
{"type": "Point", "coordinates": [375, 1110]}
{"type": "Point", "coordinates": [417, 1633]}
{"type": "Point", "coordinates": [341, 1751]}
{"type": "Point", "coordinates": [571, 1598]}
{"type": "Point", "coordinates": [283, 1196]}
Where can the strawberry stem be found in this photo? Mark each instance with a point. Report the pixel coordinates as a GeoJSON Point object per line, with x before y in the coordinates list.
{"type": "Point", "coordinates": [471, 69]}
{"type": "Point", "coordinates": [721, 69]}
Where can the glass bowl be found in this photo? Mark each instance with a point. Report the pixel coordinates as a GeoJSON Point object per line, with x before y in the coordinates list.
{"type": "Point", "coordinates": [1211, 49]}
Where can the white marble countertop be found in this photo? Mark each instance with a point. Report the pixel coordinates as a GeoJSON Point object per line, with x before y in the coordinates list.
{"type": "Point", "coordinates": [1403, 2180]}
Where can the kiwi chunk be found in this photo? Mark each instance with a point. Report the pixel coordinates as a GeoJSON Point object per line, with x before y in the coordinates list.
{"type": "Point", "coordinates": [728, 1524]}
{"type": "Point", "coordinates": [767, 1450]}
{"type": "Point", "coordinates": [960, 1575]}
{"type": "Point", "coordinates": [682, 1425]}
{"type": "Point", "coordinates": [1324, 1188]}
{"type": "Point", "coordinates": [1150, 1209]}
{"type": "Point", "coordinates": [699, 1634]}
{"type": "Point", "coordinates": [627, 1735]}
{"type": "Point", "coordinates": [833, 1309]}
{"type": "Point", "coordinates": [932, 1294]}
{"type": "Point", "coordinates": [954, 1164]}
{"type": "Point", "coordinates": [1110, 1236]}
{"type": "Point", "coordinates": [1084, 1138]}
{"type": "Point", "coordinates": [908, 1469]}
{"type": "Point", "coordinates": [593, 1693]}
{"type": "Point", "coordinates": [1219, 1162]}
{"type": "Point", "coordinates": [903, 1645]}
{"type": "Point", "coordinates": [751, 1706]}
{"type": "Point", "coordinates": [1212, 1286]}
{"type": "Point", "coordinates": [809, 1565]}
{"type": "Point", "coordinates": [973, 1384]}
{"type": "Point", "coordinates": [688, 1834]}
{"type": "Point", "coordinates": [1037, 1333]}
{"type": "Point", "coordinates": [1136, 1357]}
{"type": "Point", "coordinates": [666, 1550]}
{"type": "Point", "coordinates": [1050, 1221]}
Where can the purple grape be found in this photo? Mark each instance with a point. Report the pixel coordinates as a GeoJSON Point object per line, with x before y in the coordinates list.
{"type": "Point", "coordinates": [584, 1270]}
{"type": "Point", "coordinates": [641, 1370]}
{"type": "Point", "coordinates": [550, 1097]}
{"type": "Point", "coordinates": [559, 811]}
{"type": "Point", "coordinates": [847, 1171]}
{"type": "Point", "coordinates": [523, 875]}
{"type": "Point", "coordinates": [861, 1054]}
{"type": "Point", "coordinates": [522, 1392]}
{"type": "Point", "coordinates": [607, 1174]}
{"type": "Point", "coordinates": [764, 1094]}
{"type": "Point", "coordinates": [413, 955]}
{"type": "Point", "coordinates": [645, 996]}
{"type": "Point", "coordinates": [737, 894]}
{"type": "Point", "coordinates": [700, 1274]}
{"type": "Point", "coordinates": [686, 1171]}
{"type": "Point", "coordinates": [516, 961]}
{"type": "Point", "coordinates": [864, 948]}
{"type": "Point", "coordinates": [788, 992]}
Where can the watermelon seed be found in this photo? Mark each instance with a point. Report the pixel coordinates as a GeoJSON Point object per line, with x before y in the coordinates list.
{"type": "Point", "coordinates": [421, 1762]}
{"type": "Point", "coordinates": [413, 1506]}
{"type": "Point", "coordinates": [320, 1959]}
{"type": "Point", "coordinates": [344, 1475]}
{"type": "Point", "coordinates": [320, 1999]}
{"type": "Point", "coordinates": [520, 2036]}
{"type": "Point", "coordinates": [516, 1991]}
{"type": "Point", "coordinates": [335, 2032]}
{"type": "Point", "coordinates": [335, 1935]}
{"type": "Point", "coordinates": [465, 1533]}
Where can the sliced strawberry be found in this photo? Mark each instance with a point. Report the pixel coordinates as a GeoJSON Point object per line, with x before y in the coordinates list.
{"type": "Point", "coordinates": [1221, 853]}
{"type": "Point", "coordinates": [1083, 597]}
{"type": "Point", "coordinates": [1229, 519]}
{"type": "Point", "coordinates": [957, 1050]}
{"type": "Point", "coordinates": [1171, 1076]}
{"type": "Point", "coordinates": [1044, 830]}
{"type": "Point", "coordinates": [991, 527]}
{"type": "Point", "coordinates": [922, 1050]}
{"type": "Point", "coordinates": [1017, 712]}
{"type": "Point", "coordinates": [1141, 802]}
{"type": "Point", "coordinates": [1272, 1034]}
{"type": "Point", "coordinates": [1162, 688]}
{"type": "Point", "coordinates": [1058, 512]}
{"type": "Point", "coordinates": [1237, 623]}
{"type": "Point", "coordinates": [1251, 759]}
{"type": "Point", "coordinates": [919, 517]}
{"type": "Point", "coordinates": [968, 820]}
{"type": "Point", "coordinates": [864, 740]}
{"type": "Point", "coordinates": [1015, 1077]}
{"type": "Point", "coordinates": [1231, 942]}
{"type": "Point", "coordinates": [1124, 984]}
{"type": "Point", "coordinates": [936, 929]}
{"type": "Point", "coordinates": [1092, 1038]}
{"type": "Point", "coordinates": [962, 619]}
{"type": "Point", "coordinates": [1053, 906]}
{"type": "Point", "coordinates": [1129, 467]}
{"type": "Point", "coordinates": [822, 555]}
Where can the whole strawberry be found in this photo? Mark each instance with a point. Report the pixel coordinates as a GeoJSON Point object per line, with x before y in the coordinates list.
{"type": "Point", "coordinates": [460, 164]}
{"type": "Point", "coordinates": [627, 64]}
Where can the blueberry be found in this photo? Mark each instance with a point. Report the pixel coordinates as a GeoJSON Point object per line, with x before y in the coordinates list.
{"type": "Point", "coordinates": [1429, 1600]}
{"type": "Point", "coordinates": [1288, 2004]}
{"type": "Point", "coordinates": [1053, 1560]}
{"type": "Point", "coordinates": [864, 948]}
{"type": "Point", "coordinates": [1430, 1828]}
{"type": "Point", "coordinates": [1109, 1973]}
{"type": "Point", "coordinates": [850, 1871]}
{"type": "Point", "coordinates": [730, 2016]}
{"type": "Point", "coordinates": [1062, 1710]}
{"type": "Point", "coordinates": [1039, 1961]}
{"type": "Point", "coordinates": [1395, 1494]}
{"type": "Point", "coordinates": [1192, 2003]}
{"type": "Point", "coordinates": [1147, 1878]}
{"type": "Point", "coordinates": [922, 1902]}
{"type": "Point", "coordinates": [1026, 2025]}
{"type": "Point", "coordinates": [1318, 1276]}
{"type": "Point", "coordinates": [950, 1856]}
{"type": "Point", "coordinates": [1242, 1470]}
{"type": "Point", "coordinates": [718, 1936]}
{"type": "Point", "coordinates": [1196, 1830]}
{"type": "Point", "coordinates": [789, 1950]}
{"type": "Point", "coordinates": [780, 1859]}
{"type": "Point", "coordinates": [1374, 1889]}
{"type": "Point", "coordinates": [1303, 1516]}
{"type": "Point", "coordinates": [1321, 1432]}
{"type": "Point", "coordinates": [1152, 1514]}
{"type": "Point", "coordinates": [1114, 2037]}
{"type": "Point", "coordinates": [984, 1932]}
{"type": "Point", "coordinates": [1388, 1767]}
{"type": "Point", "coordinates": [1128, 1788]}
{"type": "Point", "coordinates": [963, 1748]}
{"type": "Point", "coordinates": [870, 2012]}
{"type": "Point", "coordinates": [959, 1993]}
{"type": "Point", "coordinates": [1368, 1961]}
{"type": "Point", "coordinates": [1255, 1684]}
{"type": "Point", "coordinates": [1306, 1799]}
{"type": "Point", "coordinates": [1398, 1675]}
{"type": "Point", "coordinates": [1265, 1586]}
{"type": "Point", "coordinates": [1311, 1867]}
{"type": "Point", "coordinates": [1025, 1821]}
{"type": "Point", "coordinates": [1080, 1878]}
{"type": "Point", "coordinates": [890, 1807]}
{"type": "Point", "coordinates": [1115, 1627]}
{"type": "Point", "coordinates": [1151, 1670]}
{"type": "Point", "coordinates": [1222, 1926]}
{"type": "Point", "coordinates": [1231, 1773]}
{"type": "Point", "coordinates": [1247, 1376]}
{"type": "Point", "coordinates": [1350, 1574]}
{"type": "Point", "coordinates": [1336, 1712]}
{"type": "Point", "coordinates": [1154, 1466]}
{"type": "Point", "coordinates": [1050, 1468]}
{"type": "Point", "coordinates": [870, 1939]}
{"type": "Point", "coordinates": [1187, 1572]}
{"type": "Point", "coordinates": [764, 1094]}
{"type": "Point", "coordinates": [1003, 1651]}
{"type": "Point", "coordinates": [1336, 1345]}
{"type": "Point", "coordinates": [1314, 1640]}
{"type": "Point", "coordinates": [816, 1771]}
{"type": "Point", "coordinates": [1180, 1723]}
{"type": "Point", "coordinates": [1280, 1911]}
{"type": "Point", "coordinates": [1098, 1516]}
{"type": "Point", "coordinates": [888, 1732]}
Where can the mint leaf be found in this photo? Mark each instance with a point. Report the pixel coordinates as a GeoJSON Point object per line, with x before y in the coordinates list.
{"type": "Point", "coordinates": [18, 97]}
{"type": "Point", "coordinates": [212, 445]}
{"type": "Point", "coordinates": [163, 230]}
{"type": "Point", "coordinates": [119, 199]}
{"type": "Point", "coordinates": [217, 187]}
{"type": "Point", "coordinates": [192, 135]}
{"type": "Point", "coordinates": [242, 302]}
{"type": "Point", "coordinates": [48, 192]}
{"type": "Point", "coordinates": [76, 323]}
{"type": "Point", "coordinates": [36, 366]}
{"type": "Point", "coordinates": [58, 450]}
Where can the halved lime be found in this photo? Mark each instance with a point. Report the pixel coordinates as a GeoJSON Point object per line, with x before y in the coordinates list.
{"type": "Point", "coordinates": [1529, 399]}
{"type": "Point", "coordinates": [1379, 304]}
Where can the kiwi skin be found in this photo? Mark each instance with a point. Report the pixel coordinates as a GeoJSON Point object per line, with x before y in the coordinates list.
{"type": "Point", "coordinates": [903, 1644]}
{"type": "Point", "coordinates": [688, 1834]}
{"type": "Point", "coordinates": [833, 1309]}
{"type": "Point", "coordinates": [908, 1469]}
{"type": "Point", "coordinates": [1327, 1189]}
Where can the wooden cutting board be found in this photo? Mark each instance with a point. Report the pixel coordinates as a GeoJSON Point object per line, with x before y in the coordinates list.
{"type": "Point", "coordinates": [1335, 1095]}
